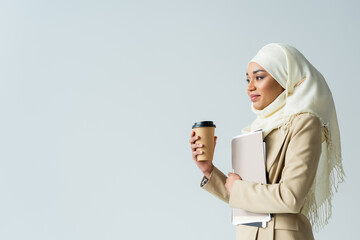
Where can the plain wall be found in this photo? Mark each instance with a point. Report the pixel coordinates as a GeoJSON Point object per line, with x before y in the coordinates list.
{"type": "Point", "coordinates": [97, 100]}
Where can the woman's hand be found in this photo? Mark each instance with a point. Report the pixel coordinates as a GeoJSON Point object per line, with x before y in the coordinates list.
{"type": "Point", "coordinates": [230, 181]}
{"type": "Point", "coordinates": [205, 166]}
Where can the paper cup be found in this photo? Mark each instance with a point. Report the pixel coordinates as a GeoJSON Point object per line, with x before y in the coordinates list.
{"type": "Point", "coordinates": [206, 131]}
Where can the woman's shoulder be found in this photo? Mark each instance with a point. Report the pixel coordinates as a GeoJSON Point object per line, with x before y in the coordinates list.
{"type": "Point", "coordinates": [297, 123]}
{"type": "Point", "coordinates": [306, 117]}
{"type": "Point", "coordinates": [304, 121]}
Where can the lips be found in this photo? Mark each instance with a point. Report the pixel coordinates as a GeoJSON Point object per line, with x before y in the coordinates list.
{"type": "Point", "coordinates": [253, 97]}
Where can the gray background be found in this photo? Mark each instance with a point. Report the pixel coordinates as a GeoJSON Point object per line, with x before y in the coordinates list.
{"type": "Point", "coordinates": [97, 99]}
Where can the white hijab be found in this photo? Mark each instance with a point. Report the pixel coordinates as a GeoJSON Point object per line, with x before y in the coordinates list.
{"type": "Point", "coordinates": [305, 92]}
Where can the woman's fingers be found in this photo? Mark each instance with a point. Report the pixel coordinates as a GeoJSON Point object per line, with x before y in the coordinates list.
{"type": "Point", "coordinates": [193, 138]}
{"type": "Point", "coordinates": [195, 146]}
{"type": "Point", "coordinates": [234, 176]}
{"type": "Point", "coordinates": [195, 153]}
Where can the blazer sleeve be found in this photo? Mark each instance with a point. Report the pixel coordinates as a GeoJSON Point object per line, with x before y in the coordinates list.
{"type": "Point", "coordinates": [216, 185]}
{"type": "Point", "coordinates": [301, 161]}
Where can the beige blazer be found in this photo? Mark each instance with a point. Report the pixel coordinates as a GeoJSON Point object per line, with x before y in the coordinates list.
{"type": "Point", "coordinates": [292, 160]}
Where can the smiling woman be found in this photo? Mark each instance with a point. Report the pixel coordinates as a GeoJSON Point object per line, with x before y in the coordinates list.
{"type": "Point", "coordinates": [295, 110]}
{"type": "Point", "coordinates": [262, 88]}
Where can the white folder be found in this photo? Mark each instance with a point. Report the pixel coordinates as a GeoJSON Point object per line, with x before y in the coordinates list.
{"type": "Point", "coordinates": [248, 160]}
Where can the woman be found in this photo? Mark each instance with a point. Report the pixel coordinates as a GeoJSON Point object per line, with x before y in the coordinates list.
{"type": "Point", "coordinates": [295, 109]}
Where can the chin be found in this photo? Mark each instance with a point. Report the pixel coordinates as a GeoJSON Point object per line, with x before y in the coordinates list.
{"type": "Point", "coordinates": [257, 107]}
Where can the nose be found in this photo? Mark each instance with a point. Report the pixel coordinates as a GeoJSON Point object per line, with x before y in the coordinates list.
{"type": "Point", "coordinates": [251, 86]}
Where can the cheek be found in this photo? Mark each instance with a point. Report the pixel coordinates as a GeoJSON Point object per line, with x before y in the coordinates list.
{"type": "Point", "coordinates": [266, 88]}
{"type": "Point", "coordinates": [274, 90]}
{"type": "Point", "coordinates": [270, 90]}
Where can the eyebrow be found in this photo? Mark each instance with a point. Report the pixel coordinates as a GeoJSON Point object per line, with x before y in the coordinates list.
{"type": "Point", "coordinates": [256, 71]}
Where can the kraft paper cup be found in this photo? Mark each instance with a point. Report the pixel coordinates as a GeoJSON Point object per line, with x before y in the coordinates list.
{"type": "Point", "coordinates": [206, 131]}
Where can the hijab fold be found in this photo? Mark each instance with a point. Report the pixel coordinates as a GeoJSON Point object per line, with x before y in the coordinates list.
{"type": "Point", "coordinates": [306, 91]}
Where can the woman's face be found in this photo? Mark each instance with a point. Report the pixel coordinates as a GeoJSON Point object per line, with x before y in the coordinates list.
{"type": "Point", "coordinates": [262, 88]}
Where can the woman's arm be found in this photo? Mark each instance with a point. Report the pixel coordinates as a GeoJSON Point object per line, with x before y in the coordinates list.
{"type": "Point", "coordinates": [216, 185]}
{"type": "Point", "coordinates": [301, 161]}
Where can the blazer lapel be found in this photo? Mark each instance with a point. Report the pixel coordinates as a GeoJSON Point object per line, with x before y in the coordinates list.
{"type": "Point", "coordinates": [274, 143]}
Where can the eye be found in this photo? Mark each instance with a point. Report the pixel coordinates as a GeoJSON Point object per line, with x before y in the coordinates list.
{"type": "Point", "coordinates": [259, 77]}
{"type": "Point", "coordinates": [247, 80]}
